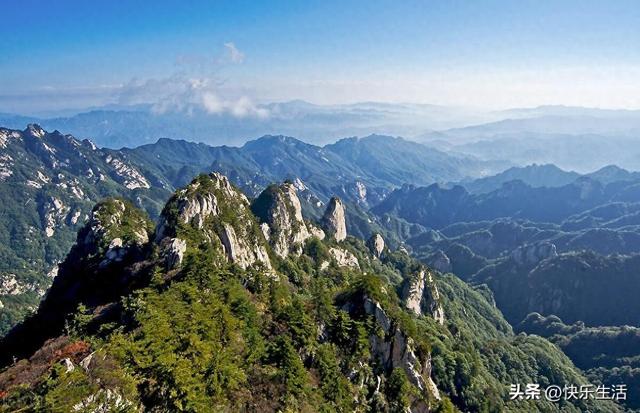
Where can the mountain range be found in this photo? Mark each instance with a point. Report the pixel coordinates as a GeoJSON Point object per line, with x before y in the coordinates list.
{"type": "Point", "coordinates": [216, 306]}
{"type": "Point", "coordinates": [49, 182]}
{"type": "Point", "coordinates": [116, 126]}
{"type": "Point", "coordinates": [534, 239]}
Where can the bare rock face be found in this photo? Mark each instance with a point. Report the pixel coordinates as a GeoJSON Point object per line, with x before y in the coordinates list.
{"type": "Point", "coordinates": [422, 293]}
{"type": "Point", "coordinates": [334, 219]}
{"type": "Point", "coordinates": [533, 253]}
{"type": "Point", "coordinates": [240, 249]}
{"type": "Point", "coordinates": [344, 258]}
{"type": "Point", "coordinates": [174, 249]}
{"type": "Point", "coordinates": [396, 350]}
{"type": "Point", "coordinates": [279, 210]}
{"type": "Point", "coordinates": [440, 262]}
{"type": "Point", "coordinates": [376, 245]}
{"type": "Point", "coordinates": [220, 214]}
{"type": "Point", "coordinates": [198, 209]}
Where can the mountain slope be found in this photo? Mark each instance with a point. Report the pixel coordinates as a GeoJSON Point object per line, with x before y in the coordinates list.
{"type": "Point", "coordinates": [199, 317]}
{"type": "Point", "coordinates": [532, 175]}
{"type": "Point", "coordinates": [48, 185]}
{"type": "Point", "coordinates": [49, 181]}
{"type": "Point", "coordinates": [437, 207]}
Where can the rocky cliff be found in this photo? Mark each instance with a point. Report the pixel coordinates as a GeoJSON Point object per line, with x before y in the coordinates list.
{"type": "Point", "coordinates": [334, 220]}
{"type": "Point", "coordinates": [376, 245]}
{"type": "Point", "coordinates": [280, 213]}
{"type": "Point", "coordinates": [420, 294]}
{"type": "Point", "coordinates": [212, 210]}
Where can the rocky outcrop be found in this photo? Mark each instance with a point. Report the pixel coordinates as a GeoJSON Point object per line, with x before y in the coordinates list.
{"type": "Point", "coordinates": [532, 254]}
{"type": "Point", "coordinates": [220, 214]}
{"type": "Point", "coordinates": [9, 285]}
{"type": "Point", "coordinates": [440, 261]}
{"type": "Point", "coordinates": [279, 210]}
{"type": "Point", "coordinates": [344, 258]}
{"type": "Point", "coordinates": [395, 350]}
{"type": "Point", "coordinates": [191, 210]}
{"type": "Point", "coordinates": [173, 252]}
{"type": "Point", "coordinates": [421, 293]}
{"type": "Point", "coordinates": [376, 245]}
{"type": "Point", "coordinates": [52, 213]}
{"type": "Point", "coordinates": [6, 167]}
{"type": "Point", "coordinates": [241, 250]}
{"type": "Point", "coordinates": [334, 221]}
{"type": "Point", "coordinates": [109, 259]}
{"type": "Point", "coordinates": [126, 174]}
{"type": "Point", "coordinates": [114, 229]}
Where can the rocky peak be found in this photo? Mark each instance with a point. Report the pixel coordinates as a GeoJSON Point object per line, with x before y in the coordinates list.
{"type": "Point", "coordinates": [376, 245]}
{"type": "Point", "coordinates": [334, 219]}
{"type": "Point", "coordinates": [114, 229]}
{"type": "Point", "coordinates": [279, 210]}
{"type": "Point", "coordinates": [220, 214]}
{"type": "Point", "coordinates": [421, 292]}
{"type": "Point", "coordinates": [532, 254]}
{"type": "Point", "coordinates": [35, 131]}
{"type": "Point", "coordinates": [108, 260]}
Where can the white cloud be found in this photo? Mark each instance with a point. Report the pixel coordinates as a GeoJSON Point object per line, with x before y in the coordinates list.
{"type": "Point", "coordinates": [244, 107]}
{"type": "Point", "coordinates": [234, 55]}
{"type": "Point", "coordinates": [195, 89]}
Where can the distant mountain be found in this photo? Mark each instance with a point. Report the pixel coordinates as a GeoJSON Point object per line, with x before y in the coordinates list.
{"type": "Point", "coordinates": [547, 175]}
{"type": "Point", "coordinates": [580, 153]}
{"type": "Point", "coordinates": [357, 168]}
{"type": "Point", "coordinates": [625, 124]}
{"type": "Point", "coordinates": [398, 161]}
{"type": "Point", "coordinates": [117, 126]}
{"type": "Point", "coordinates": [612, 173]}
{"type": "Point", "coordinates": [572, 138]}
{"type": "Point", "coordinates": [562, 110]}
{"type": "Point", "coordinates": [437, 207]}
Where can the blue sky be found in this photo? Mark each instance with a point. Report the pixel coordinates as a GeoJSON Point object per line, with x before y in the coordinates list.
{"type": "Point", "coordinates": [67, 54]}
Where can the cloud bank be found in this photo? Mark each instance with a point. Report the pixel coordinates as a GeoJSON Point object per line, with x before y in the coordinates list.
{"type": "Point", "coordinates": [196, 88]}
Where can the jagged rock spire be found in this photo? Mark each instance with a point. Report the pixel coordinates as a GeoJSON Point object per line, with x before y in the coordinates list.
{"type": "Point", "coordinates": [376, 245]}
{"type": "Point", "coordinates": [278, 209]}
{"type": "Point", "coordinates": [334, 219]}
{"type": "Point", "coordinates": [220, 213]}
{"type": "Point", "coordinates": [35, 130]}
{"type": "Point", "coordinates": [421, 292]}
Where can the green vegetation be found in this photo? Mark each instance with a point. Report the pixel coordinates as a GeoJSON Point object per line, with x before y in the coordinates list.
{"type": "Point", "coordinates": [608, 355]}
{"type": "Point", "coordinates": [211, 336]}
